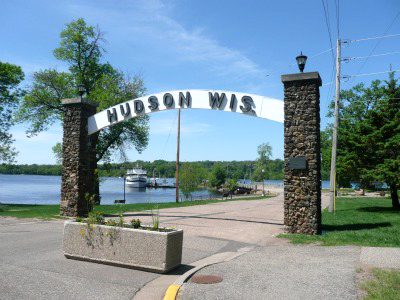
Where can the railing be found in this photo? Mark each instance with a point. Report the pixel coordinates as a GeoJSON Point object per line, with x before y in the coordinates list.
{"type": "Point", "coordinates": [259, 185]}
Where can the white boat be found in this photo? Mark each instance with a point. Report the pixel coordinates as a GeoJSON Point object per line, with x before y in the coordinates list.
{"type": "Point", "coordinates": [136, 177]}
{"type": "Point", "coordinates": [163, 182]}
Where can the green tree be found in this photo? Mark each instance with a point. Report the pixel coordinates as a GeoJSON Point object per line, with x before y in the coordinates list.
{"type": "Point", "coordinates": [231, 186]}
{"type": "Point", "coordinates": [81, 47]}
{"type": "Point", "coordinates": [217, 176]}
{"type": "Point", "coordinates": [263, 162]}
{"type": "Point", "coordinates": [190, 177]}
{"type": "Point", "coordinates": [57, 150]}
{"type": "Point", "coordinates": [369, 135]}
{"type": "Point", "coordinates": [381, 132]}
{"type": "Point", "coordinates": [326, 153]}
{"type": "Point", "coordinates": [10, 78]}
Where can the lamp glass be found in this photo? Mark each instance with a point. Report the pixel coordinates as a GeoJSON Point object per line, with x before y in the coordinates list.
{"type": "Point", "coordinates": [301, 61]}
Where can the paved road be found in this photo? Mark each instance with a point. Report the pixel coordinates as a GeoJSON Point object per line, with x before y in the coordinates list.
{"type": "Point", "coordinates": [260, 266]}
{"type": "Point", "coordinates": [32, 266]}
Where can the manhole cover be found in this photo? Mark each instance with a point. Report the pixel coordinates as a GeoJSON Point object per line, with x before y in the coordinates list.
{"type": "Point", "coordinates": [206, 279]}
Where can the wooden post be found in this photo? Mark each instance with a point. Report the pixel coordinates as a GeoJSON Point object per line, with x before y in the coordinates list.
{"type": "Point", "coordinates": [177, 155]}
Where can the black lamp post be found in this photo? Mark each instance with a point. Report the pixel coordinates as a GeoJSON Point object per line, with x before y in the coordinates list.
{"type": "Point", "coordinates": [81, 89]}
{"type": "Point", "coordinates": [301, 61]}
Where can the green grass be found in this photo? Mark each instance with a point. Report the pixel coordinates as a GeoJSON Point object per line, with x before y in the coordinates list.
{"type": "Point", "coordinates": [358, 221]}
{"type": "Point", "coordinates": [385, 285]}
{"type": "Point", "coordinates": [53, 211]}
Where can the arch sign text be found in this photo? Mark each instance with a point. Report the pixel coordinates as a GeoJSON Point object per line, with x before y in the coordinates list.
{"type": "Point", "coordinates": [252, 105]}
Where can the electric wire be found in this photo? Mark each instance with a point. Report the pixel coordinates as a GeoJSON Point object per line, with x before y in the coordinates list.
{"type": "Point", "coordinates": [347, 59]}
{"type": "Point", "coordinates": [324, 120]}
{"type": "Point", "coordinates": [337, 17]}
{"type": "Point", "coordinates": [326, 13]}
{"type": "Point", "coordinates": [373, 49]}
{"type": "Point", "coordinates": [291, 65]}
{"type": "Point", "coordinates": [371, 38]}
{"type": "Point", "coordinates": [367, 74]}
{"type": "Point", "coordinates": [165, 146]}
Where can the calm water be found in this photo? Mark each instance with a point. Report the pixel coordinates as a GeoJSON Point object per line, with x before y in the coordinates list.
{"type": "Point", "coordinates": [36, 189]}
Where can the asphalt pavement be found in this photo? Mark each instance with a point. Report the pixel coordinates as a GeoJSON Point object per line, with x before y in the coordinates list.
{"type": "Point", "coordinates": [233, 240]}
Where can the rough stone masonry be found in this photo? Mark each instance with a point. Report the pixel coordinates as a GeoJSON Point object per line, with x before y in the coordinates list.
{"type": "Point", "coordinates": [302, 179]}
{"type": "Point", "coordinates": [79, 157]}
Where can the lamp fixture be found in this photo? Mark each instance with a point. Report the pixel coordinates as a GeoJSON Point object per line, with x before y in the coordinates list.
{"type": "Point", "coordinates": [301, 61]}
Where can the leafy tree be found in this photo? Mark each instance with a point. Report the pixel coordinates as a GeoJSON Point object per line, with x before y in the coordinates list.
{"type": "Point", "coordinates": [57, 149]}
{"type": "Point", "coordinates": [217, 176]}
{"type": "Point", "coordinates": [382, 136]}
{"type": "Point", "coordinates": [81, 47]}
{"type": "Point", "coordinates": [190, 177]}
{"type": "Point", "coordinates": [369, 135]}
{"type": "Point", "coordinates": [10, 77]}
{"type": "Point", "coordinates": [326, 153]}
{"type": "Point", "coordinates": [265, 152]}
{"type": "Point", "coordinates": [231, 185]}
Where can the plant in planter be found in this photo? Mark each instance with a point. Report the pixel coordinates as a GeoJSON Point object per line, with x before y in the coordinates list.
{"type": "Point", "coordinates": [117, 243]}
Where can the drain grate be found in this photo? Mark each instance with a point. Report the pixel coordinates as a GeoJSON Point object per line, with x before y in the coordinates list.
{"type": "Point", "coordinates": [206, 279]}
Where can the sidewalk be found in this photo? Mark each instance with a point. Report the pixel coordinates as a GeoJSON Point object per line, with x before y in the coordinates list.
{"type": "Point", "coordinates": [253, 264]}
{"type": "Point", "coordinates": [233, 240]}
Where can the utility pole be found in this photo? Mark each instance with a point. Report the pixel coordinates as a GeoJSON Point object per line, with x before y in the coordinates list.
{"type": "Point", "coordinates": [177, 155]}
{"type": "Point", "coordinates": [335, 133]}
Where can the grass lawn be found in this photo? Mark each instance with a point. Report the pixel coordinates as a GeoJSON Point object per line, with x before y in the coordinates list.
{"type": "Point", "coordinates": [53, 211]}
{"type": "Point", "coordinates": [384, 285]}
{"type": "Point", "coordinates": [358, 221]}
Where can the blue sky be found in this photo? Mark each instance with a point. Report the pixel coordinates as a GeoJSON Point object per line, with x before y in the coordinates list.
{"type": "Point", "coordinates": [222, 45]}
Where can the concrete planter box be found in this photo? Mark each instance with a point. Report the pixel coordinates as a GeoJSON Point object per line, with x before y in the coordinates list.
{"type": "Point", "coordinates": [127, 247]}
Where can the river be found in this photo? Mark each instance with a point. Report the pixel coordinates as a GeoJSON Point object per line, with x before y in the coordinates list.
{"type": "Point", "coordinates": [38, 189]}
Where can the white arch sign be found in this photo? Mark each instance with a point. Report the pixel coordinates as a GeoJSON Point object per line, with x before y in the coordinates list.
{"type": "Point", "coordinates": [248, 104]}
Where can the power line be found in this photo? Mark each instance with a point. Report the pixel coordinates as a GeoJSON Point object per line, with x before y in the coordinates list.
{"type": "Point", "coordinates": [328, 83]}
{"type": "Point", "coordinates": [326, 12]}
{"type": "Point", "coordinates": [347, 59]}
{"type": "Point", "coordinates": [371, 99]}
{"type": "Point", "coordinates": [367, 74]}
{"type": "Point", "coordinates": [168, 137]}
{"type": "Point", "coordinates": [337, 17]}
{"type": "Point", "coordinates": [371, 38]}
{"type": "Point", "coordinates": [376, 45]}
{"type": "Point", "coordinates": [291, 65]}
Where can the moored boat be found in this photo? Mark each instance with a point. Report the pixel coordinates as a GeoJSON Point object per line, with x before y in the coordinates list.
{"type": "Point", "coordinates": [136, 177]}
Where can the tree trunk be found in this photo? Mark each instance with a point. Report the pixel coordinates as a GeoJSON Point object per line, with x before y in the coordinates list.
{"type": "Point", "coordinates": [395, 197]}
{"type": "Point", "coordinates": [362, 186]}
{"type": "Point", "coordinates": [97, 189]}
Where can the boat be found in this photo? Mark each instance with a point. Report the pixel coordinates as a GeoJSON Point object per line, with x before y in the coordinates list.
{"type": "Point", "coordinates": [136, 177]}
{"type": "Point", "coordinates": [164, 183]}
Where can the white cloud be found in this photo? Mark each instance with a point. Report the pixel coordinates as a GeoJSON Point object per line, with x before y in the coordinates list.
{"type": "Point", "coordinates": [150, 23]}
{"type": "Point", "coordinates": [167, 126]}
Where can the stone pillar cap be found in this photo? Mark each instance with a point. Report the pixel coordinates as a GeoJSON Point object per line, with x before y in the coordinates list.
{"type": "Point", "coordinates": [302, 76]}
{"type": "Point", "coordinates": [78, 101]}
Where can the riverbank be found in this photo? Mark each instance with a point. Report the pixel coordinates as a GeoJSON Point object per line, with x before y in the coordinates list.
{"type": "Point", "coordinates": [46, 190]}
{"type": "Point", "coordinates": [53, 211]}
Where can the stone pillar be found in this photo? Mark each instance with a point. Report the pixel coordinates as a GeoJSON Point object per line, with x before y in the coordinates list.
{"type": "Point", "coordinates": [302, 179]}
{"type": "Point", "coordinates": [79, 157]}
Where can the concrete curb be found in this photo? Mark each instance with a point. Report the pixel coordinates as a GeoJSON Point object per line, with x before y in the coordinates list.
{"type": "Point", "coordinates": [173, 290]}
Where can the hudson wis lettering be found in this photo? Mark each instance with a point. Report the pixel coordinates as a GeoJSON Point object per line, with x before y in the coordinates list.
{"type": "Point", "coordinates": [216, 101]}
